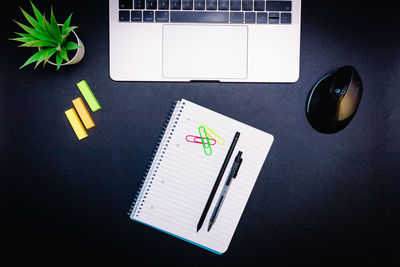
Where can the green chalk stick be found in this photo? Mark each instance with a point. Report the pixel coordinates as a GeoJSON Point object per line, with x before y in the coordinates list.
{"type": "Point", "coordinates": [88, 95]}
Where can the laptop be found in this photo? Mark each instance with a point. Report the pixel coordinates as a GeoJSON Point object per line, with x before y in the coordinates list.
{"type": "Point", "coordinates": [205, 40]}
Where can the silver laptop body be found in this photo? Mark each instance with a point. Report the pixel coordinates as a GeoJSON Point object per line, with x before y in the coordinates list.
{"type": "Point", "coordinates": [215, 40]}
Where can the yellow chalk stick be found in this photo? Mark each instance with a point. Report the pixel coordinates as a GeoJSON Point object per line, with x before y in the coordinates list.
{"type": "Point", "coordinates": [76, 123]}
{"type": "Point", "coordinates": [83, 113]}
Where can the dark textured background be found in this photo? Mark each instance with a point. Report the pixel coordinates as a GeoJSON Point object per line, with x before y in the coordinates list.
{"type": "Point", "coordinates": [319, 199]}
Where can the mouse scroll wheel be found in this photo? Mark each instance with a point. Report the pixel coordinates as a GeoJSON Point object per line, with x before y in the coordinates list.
{"type": "Point", "coordinates": [337, 91]}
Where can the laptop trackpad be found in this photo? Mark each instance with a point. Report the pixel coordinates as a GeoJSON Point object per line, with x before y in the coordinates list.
{"type": "Point", "coordinates": [205, 51]}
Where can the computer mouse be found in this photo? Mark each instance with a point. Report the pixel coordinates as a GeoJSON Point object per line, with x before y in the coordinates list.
{"type": "Point", "coordinates": [334, 99]}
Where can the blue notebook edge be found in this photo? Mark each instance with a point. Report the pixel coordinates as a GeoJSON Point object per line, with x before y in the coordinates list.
{"type": "Point", "coordinates": [184, 239]}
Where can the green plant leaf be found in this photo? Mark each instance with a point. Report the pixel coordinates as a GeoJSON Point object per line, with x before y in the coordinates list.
{"type": "Point", "coordinates": [23, 39]}
{"type": "Point", "coordinates": [49, 30]}
{"type": "Point", "coordinates": [54, 26]}
{"type": "Point", "coordinates": [72, 46]}
{"type": "Point", "coordinates": [23, 34]}
{"type": "Point", "coordinates": [58, 60]}
{"type": "Point", "coordinates": [39, 16]}
{"type": "Point", "coordinates": [41, 55]}
{"type": "Point", "coordinates": [37, 25]}
{"type": "Point", "coordinates": [33, 58]}
{"type": "Point", "coordinates": [40, 59]}
{"type": "Point", "coordinates": [47, 44]}
{"type": "Point", "coordinates": [44, 57]}
{"type": "Point", "coordinates": [66, 24]}
{"type": "Point", "coordinates": [30, 44]}
{"type": "Point", "coordinates": [49, 54]}
{"type": "Point", "coordinates": [63, 53]}
{"type": "Point", "coordinates": [35, 33]}
{"type": "Point", "coordinates": [68, 30]}
{"type": "Point", "coordinates": [38, 43]}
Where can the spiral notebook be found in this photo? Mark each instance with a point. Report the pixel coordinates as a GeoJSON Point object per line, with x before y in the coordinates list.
{"type": "Point", "coordinates": [184, 167]}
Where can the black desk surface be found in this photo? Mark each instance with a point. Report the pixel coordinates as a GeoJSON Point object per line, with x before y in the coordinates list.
{"type": "Point", "coordinates": [319, 199]}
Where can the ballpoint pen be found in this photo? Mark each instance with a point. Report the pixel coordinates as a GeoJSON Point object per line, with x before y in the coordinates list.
{"type": "Point", "coordinates": [217, 182]}
{"type": "Point", "coordinates": [232, 174]}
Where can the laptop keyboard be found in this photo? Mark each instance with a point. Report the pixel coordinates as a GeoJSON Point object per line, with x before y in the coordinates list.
{"type": "Point", "coordinates": [206, 11]}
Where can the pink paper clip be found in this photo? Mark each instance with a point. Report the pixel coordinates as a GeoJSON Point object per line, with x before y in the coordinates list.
{"type": "Point", "coordinates": [197, 140]}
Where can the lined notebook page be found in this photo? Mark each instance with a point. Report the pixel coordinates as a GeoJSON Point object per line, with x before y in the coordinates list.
{"type": "Point", "coordinates": [182, 176]}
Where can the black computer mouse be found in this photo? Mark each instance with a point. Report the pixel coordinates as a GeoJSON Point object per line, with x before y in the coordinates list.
{"type": "Point", "coordinates": [334, 99]}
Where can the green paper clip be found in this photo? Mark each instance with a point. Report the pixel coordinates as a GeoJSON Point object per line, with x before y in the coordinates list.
{"type": "Point", "coordinates": [203, 135]}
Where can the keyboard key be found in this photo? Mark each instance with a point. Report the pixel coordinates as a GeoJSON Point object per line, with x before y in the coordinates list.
{"type": "Point", "coordinates": [151, 4]}
{"type": "Point", "coordinates": [211, 5]}
{"type": "Point", "coordinates": [279, 5]}
{"type": "Point", "coordinates": [273, 18]}
{"type": "Point", "coordinates": [124, 15]}
{"type": "Point", "coordinates": [175, 4]}
{"type": "Point", "coordinates": [148, 16]}
{"type": "Point", "coordinates": [250, 17]}
{"type": "Point", "coordinates": [199, 4]}
{"type": "Point", "coordinates": [259, 5]}
{"type": "Point", "coordinates": [262, 17]}
{"type": "Point", "coordinates": [139, 4]}
{"type": "Point", "coordinates": [236, 17]}
{"type": "Point", "coordinates": [162, 16]}
{"type": "Point", "coordinates": [125, 4]}
{"type": "Point", "coordinates": [223, 4]}
{"type": "Point", "coordinates": [163, 4]}
{"type": "Point", "coordinates": [199, 16]}
{"type": "Point", "coordinates": [286, 18]}
{"type": "Point", "coordinates": [247, 5]}
{"type": "Point", "coordinates": [136, 15]}
{"type": "Point", "coordinates": [235, 4]}
{"type": "Point", "coordinates": [187, 4]}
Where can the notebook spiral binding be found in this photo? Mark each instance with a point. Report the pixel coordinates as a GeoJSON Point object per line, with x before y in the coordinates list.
{"type": "Point", "coordinates": [142, 192]}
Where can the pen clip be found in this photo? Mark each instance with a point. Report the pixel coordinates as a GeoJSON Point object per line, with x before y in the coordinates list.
{"type": "Point", "coordinates": [237, 168]}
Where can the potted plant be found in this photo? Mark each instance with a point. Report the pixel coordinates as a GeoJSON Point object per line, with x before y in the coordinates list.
{"type": "Point", "coordinates": [54, 41]}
